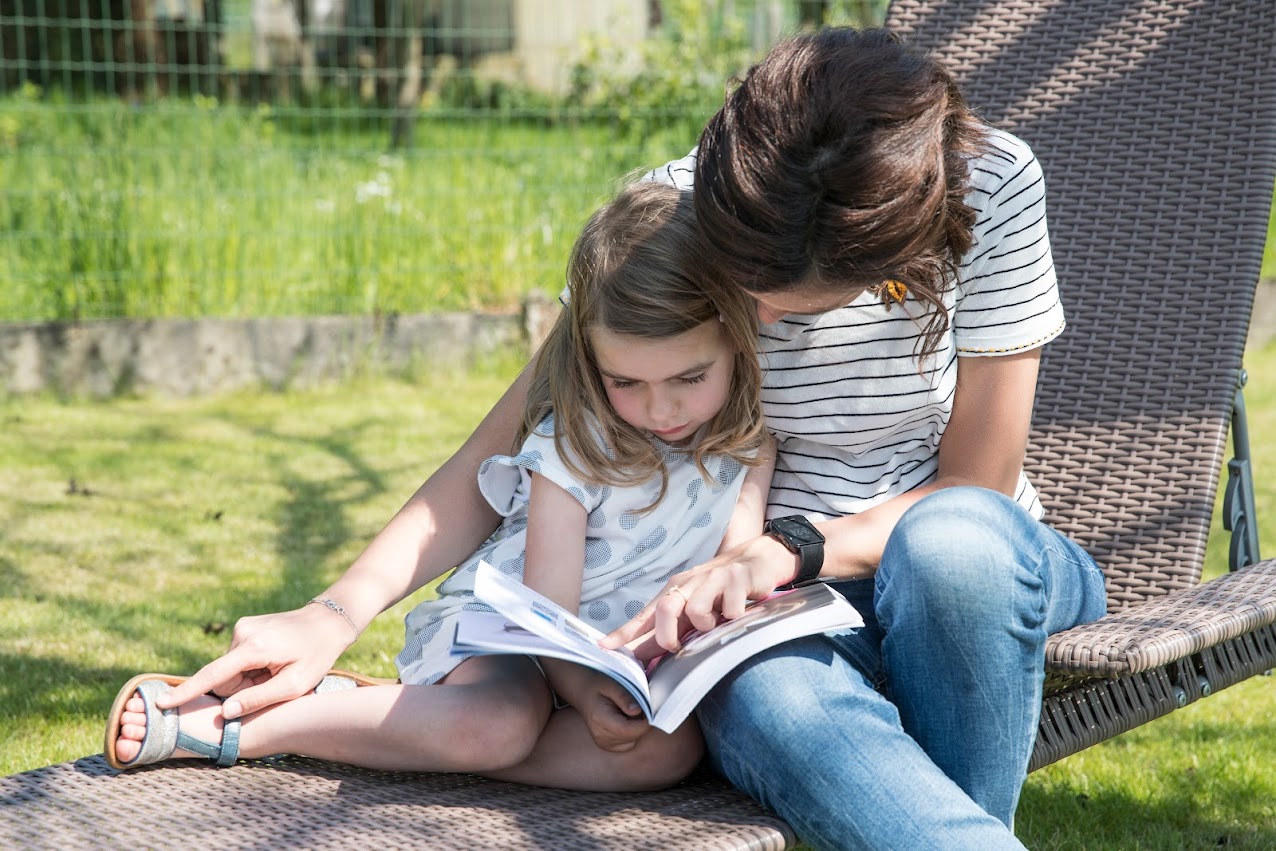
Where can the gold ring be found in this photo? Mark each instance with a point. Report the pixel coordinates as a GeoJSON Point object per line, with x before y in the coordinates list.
{"type": "Point", "coordinates": [674, 589]}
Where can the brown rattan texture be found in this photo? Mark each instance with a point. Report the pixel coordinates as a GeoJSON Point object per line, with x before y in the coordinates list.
{"type": "Point", "coordinates": [1155, 123]}
{"type": "Point", "coordinates": [300, 803]}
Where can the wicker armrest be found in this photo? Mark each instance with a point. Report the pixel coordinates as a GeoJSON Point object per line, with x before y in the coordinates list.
{"type": "Point", "coordinates": [1169, 628]}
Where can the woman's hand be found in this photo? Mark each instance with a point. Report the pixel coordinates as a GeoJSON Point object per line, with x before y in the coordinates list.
{"type": "Point", "coordinates": [703, 596]}
{"type": "Point", "coordinates": [272, 658]}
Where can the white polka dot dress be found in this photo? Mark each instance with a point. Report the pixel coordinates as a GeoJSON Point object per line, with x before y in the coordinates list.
{"type": "Point", "coordinates": [629, 555]}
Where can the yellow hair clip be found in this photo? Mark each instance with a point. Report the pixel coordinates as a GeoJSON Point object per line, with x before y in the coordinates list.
{"type": "Point", "coordinates": [891, 292]}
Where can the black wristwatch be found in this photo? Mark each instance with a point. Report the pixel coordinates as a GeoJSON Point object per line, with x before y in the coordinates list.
{"type": "Point", "coordinates": [797, 533]}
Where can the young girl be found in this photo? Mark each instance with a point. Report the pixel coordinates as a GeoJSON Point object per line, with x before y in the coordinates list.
{"type": "Point", "coordinates": [643, 452]}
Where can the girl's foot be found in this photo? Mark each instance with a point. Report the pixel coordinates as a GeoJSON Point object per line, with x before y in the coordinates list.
{"type": "Point", "coordinates": [201, 718]}
{"type": "Point", "coordinates": [139, 733]}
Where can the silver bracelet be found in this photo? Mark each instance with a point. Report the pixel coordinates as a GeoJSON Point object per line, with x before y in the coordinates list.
{"type": "Point", "coordinates": [339, 609]}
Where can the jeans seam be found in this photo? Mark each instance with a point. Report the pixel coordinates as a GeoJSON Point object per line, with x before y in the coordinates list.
{"type": "Point", "coordinates": [758, 781]}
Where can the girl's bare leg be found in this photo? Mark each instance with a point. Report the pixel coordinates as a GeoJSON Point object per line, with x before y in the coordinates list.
{"type": "Point", "coordinates": [566, 757]}
{"type": "Point", "coordinates": [486, 715]}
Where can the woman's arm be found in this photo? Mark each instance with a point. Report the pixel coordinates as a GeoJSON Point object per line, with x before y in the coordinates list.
{"type": "Point", "coordinates": [277, 657]}
{"type": "Point", "coordinates": [983, 445]}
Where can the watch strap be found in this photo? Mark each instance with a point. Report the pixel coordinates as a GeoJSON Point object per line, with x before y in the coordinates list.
{"type": "Point", "coordinates": [810, 554]}
{"type": "Point", "coordinates": [812, 560]}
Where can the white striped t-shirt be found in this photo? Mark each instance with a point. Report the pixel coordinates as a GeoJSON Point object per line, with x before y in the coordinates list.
{"type": "Point", "coordinates": [857, 422]}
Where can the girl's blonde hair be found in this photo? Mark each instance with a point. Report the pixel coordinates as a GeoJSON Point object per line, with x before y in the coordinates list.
{"type": "Point", "coordinates": [640, 268]}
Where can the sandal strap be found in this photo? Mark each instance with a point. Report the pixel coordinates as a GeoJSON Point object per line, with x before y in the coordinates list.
{"type": "Point", "coordinates": [164, 736]}
{"type": "Point", "coordinates": [161, 725]}
{"type": "Point", "coordinates": [230, 743]}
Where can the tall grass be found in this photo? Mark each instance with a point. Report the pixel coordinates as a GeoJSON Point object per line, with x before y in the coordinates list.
{"type": "Point", "coordinates": [193, 208]}
{"type": "Point", "coordinates": [184, 208]}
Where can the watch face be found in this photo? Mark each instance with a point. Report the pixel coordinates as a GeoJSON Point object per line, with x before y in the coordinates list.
{"type": "Point", "coordinates": [800, 533]}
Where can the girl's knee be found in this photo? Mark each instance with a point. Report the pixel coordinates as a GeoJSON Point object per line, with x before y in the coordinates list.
{"type": "Point", "coordinates": [490, 735]}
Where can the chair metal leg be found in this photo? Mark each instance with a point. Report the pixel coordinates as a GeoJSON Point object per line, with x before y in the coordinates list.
{"type": "Point", "coordinates": [1240, 514]}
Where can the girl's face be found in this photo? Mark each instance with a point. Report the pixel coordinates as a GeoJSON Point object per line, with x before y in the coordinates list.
{"type": "Point", "coordinates": [668, 387]}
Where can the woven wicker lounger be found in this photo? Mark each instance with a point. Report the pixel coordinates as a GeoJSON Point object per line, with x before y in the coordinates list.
{"type": "Point", "coordinates": [1156, 125]}
{"type": "Point", "coordinates": [301, 803]}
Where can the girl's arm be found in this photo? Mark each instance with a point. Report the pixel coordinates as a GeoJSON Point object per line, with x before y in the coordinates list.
{"type": "Point", "coordinates": [554, 563]}
{"type": "Point", "coordinates": [277, 657]}
{"type": "Point", "coordinates": [750, 509]}
{"type": "Point", "coordinates": [555, 566]}
{"type": "Point", "coordinates": [983, 445]}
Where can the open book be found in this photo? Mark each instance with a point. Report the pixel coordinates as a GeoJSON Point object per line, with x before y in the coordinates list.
{"type": "Point", "coordinates": [526, 622]}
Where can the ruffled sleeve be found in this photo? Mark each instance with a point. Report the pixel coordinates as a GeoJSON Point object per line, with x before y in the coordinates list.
{"type": "Point", "coordinates": [504, 480]}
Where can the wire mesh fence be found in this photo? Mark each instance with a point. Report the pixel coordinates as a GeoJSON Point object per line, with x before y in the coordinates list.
{"type": "Point", "coordinates": [274, 157]}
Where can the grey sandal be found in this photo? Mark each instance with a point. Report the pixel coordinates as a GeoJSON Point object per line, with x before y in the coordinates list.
{"type": "Point", "coordinates": [163, 733]}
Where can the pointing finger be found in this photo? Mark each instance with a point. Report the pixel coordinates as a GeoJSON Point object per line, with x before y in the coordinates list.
{"type": "Point", "coordinates": [226, 672]}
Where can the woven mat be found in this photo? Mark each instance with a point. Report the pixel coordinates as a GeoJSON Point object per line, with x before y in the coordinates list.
{"type": "Point", "coordinates": [290, 802]}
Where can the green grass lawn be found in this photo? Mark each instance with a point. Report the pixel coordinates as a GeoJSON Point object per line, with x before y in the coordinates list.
{"type": "Point", "coordinates": [134, 532]}
{"type": "Point", "coordinates": [191, 208]}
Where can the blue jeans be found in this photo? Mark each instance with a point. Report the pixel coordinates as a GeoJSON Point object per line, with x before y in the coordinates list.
{"type": "Point", "coordinates": [914, 731]}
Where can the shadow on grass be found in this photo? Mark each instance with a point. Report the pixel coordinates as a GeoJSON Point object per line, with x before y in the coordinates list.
{"type": "Point", "coordinates": [1212, 789]}
{"type": "Point", "coordinates": [12, 580]}
{"type": "Point", "coordinates": [313, 522]}
{"type": "Point", "coordinates": [174, 626]}
{"type": "Point", "coordinates": [150, 570]}
{"type": "Point", "coordinates": [55, 690]}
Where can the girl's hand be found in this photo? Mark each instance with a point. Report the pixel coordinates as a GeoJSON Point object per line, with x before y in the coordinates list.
{"type": "Point", "coordinates": [272, 658]}
{"type": "Point", "coordinates": [613, 717]}
{"type": "Point", "coordinates": [704, 596]}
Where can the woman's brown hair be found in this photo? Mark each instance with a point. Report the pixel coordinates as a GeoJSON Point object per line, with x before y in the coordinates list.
{"type": "Point", "coordinates": [838, 163]}
{"type": "Point", "coordinates": [640, 267]}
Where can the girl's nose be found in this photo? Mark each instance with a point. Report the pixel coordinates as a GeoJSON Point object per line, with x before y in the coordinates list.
{"type": "Point", "coordinates": [662, 408]}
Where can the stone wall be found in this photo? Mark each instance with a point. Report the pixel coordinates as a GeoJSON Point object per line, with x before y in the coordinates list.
{"type": "Point", "coordinates": [183, 357]}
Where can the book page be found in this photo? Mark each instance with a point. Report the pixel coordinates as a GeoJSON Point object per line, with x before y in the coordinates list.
{"type": "Point", "coordinates": [533, 624]}
{"type": "Point", "coordinates": [541, 616]}
{"type": "Point", "coordinates": [491, 633]}
{"type": "Point", "coordinates": [679, 680]}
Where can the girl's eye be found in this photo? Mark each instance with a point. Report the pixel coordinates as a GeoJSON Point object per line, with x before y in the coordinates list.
{"type": "Point", "coordinates": [622, 385]}
{"type": "Point", "coordinates": [692, 379]}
